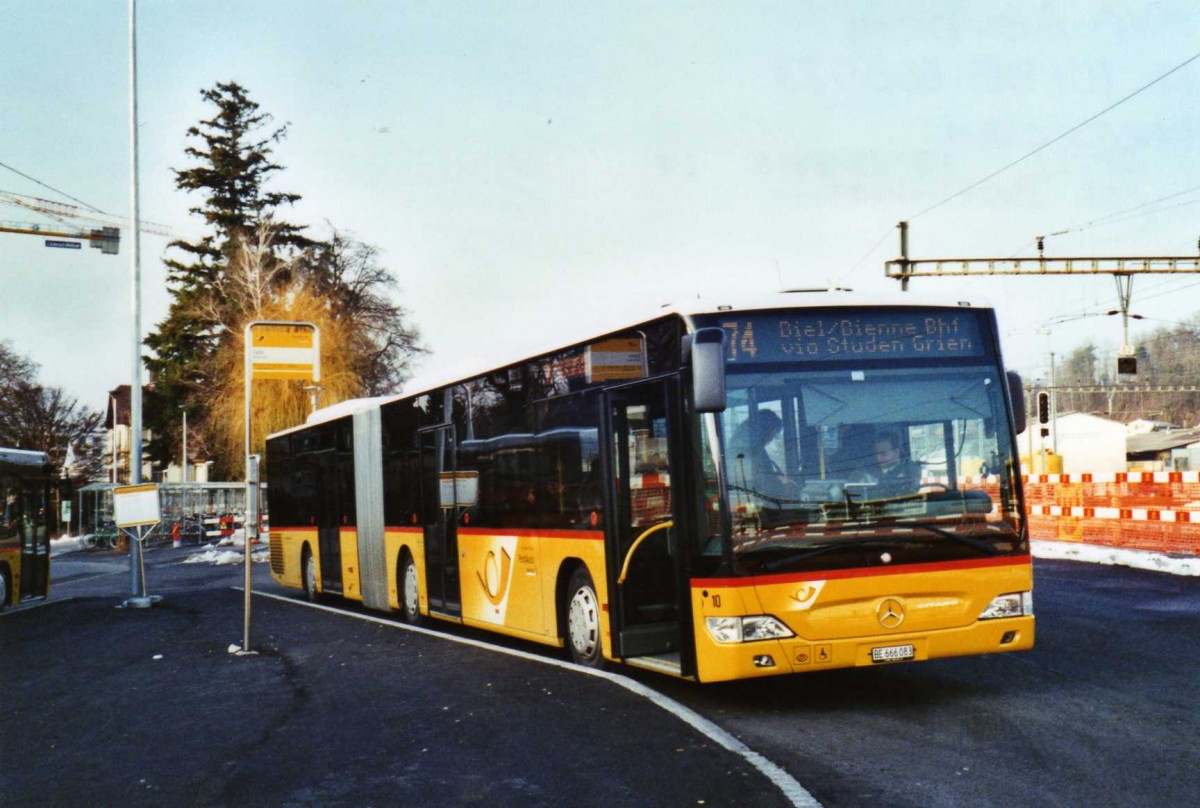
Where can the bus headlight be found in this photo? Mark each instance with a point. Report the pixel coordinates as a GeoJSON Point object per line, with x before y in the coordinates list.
{"type": "Point", "coordinates": [1014, 604]}
{"type": "Point", "coordinates": [746, 629]}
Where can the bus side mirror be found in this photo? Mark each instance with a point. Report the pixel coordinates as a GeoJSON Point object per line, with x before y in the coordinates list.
{"type": "Point", "coordinates": [1016, 392]}
{"type": "Point", "coordinates": [707, 351]}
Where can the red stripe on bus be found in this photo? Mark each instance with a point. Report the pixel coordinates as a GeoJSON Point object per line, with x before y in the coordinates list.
{"type": "Point", "coordinates": [594, 536]}
{"type": "Point", "coordinates": [590, 535]}
{"type": "Point", "coordinates": [873, 572]}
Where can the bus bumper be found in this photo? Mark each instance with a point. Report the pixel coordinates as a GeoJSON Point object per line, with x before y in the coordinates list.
{"type": "Point", "coordinates": [726, 661]}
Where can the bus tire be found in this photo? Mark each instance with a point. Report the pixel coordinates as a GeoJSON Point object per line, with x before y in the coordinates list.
{"type": "Point", "coordinates": [308, 572]}
{"type": "Point", "coordinates": [582, 612]}
{"type": "Point", "coordinates": [4, 587]}
{"type": "Point", "coordinates": [409, 591]}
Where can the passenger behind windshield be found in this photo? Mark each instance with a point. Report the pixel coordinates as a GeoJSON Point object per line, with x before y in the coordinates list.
{"type": "Point", "coordinates": [753, 469]}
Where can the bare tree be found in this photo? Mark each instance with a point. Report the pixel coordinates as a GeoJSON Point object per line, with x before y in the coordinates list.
{"type": "Point", "coordinates": [46, 419]}
{"type": "Point", "coordinates": [347, 273]}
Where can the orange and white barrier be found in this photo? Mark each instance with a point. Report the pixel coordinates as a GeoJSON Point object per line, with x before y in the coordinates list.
{"type": "Point", "coordinates": [1157, 511]}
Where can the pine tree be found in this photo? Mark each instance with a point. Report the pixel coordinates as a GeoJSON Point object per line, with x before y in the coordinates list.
{"type": "Point", "coordinates": [233, 166]}
{"type": "Point", "coordinates": [251, 265]}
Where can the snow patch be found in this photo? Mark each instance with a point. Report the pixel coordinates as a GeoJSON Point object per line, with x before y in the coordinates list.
{"type": "Point", "coordinates": [211, 555]}
{"type": "Point", "coordinates": [1117, 556]}
{"type": "Point", "coordinates": [66, 544]}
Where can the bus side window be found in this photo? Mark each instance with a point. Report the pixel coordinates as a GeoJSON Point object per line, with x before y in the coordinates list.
{"type": "Point", "coordinates": [569, 486]}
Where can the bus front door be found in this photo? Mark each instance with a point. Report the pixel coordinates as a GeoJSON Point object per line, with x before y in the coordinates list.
{"type": "Point", "coordinates": [35, 543]}
{"type": "Point", "coordinates": [645, 575]}
{"type": "Point", "coordinates": [439, 516]}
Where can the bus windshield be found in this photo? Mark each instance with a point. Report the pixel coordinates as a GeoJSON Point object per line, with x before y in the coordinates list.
{"type": "Point", "coordinates": [839, 468]}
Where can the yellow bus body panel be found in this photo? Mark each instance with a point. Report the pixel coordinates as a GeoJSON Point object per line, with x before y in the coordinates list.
{"type": "Point", "coordinates": [840, 616]}
{"type": "Point", "coordinates": [396, 541]}
{"type": "Point", "coordinates": [286, 547]}
{"type": "Point", "coordinates": [508, 579]}
{"type": "Point", "coordinates": [351, 585]}
{"type": "Point", "coordinates": [12, 558]}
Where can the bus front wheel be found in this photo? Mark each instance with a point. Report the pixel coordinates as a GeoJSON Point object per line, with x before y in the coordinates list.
{"type": "Point", "coordinates": [583, 620]}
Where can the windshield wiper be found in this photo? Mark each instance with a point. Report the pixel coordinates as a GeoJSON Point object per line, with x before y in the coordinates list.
{"type": "Point", "coordinates": [978, 544]}
{"type": "Point", "coordinates": [818, 549]}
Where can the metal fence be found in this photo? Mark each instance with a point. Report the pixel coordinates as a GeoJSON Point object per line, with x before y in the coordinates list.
{"type": "Point", "coordinates": [200, 509]}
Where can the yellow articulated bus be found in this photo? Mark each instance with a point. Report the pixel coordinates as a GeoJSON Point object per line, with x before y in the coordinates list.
{"type": "Point", "coordinates": [24, 526]}
{"type": "Point", "coordinates": [793, 484]}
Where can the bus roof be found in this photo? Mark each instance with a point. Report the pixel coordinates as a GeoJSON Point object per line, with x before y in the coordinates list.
{"type": "Point", "coordinates": [22, 461]}
{"type": "Point", "coordinates": [503, 352]}
{"type": "Point", "coordinates": [513, 348]}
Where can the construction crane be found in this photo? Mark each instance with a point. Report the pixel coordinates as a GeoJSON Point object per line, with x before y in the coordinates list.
{"type": "Point", "coordinates": [105, 237]}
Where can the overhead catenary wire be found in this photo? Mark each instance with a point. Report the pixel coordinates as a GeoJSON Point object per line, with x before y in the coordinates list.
{"type": "Point", "coordinates": [1119, 217]}
{"type": "Point", "coordinates": [52, 188]}
{"type": "Point", "coordinates": [1099, 220]}
{"type": "Point", "coordinates": [1056, 139]}
{"type": "Point", "coordinates": [866, 255]}
{"type": "Point", "coordinates": [1171, 287]}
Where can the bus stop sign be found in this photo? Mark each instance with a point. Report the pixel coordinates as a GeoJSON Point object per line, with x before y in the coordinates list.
{"type": "Point", "coordinates": [136, 505]}
{"type": "Point", "coordinates": [283, 350]}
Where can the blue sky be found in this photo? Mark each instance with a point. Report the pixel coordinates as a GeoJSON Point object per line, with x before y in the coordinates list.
{"type": "Point", "coordinates": [519, 163]}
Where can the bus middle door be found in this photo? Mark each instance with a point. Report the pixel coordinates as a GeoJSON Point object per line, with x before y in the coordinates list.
{"type": "Point", "coordinates": [329, 522]}
{"type": "Point", "coordinates": [440, 519]}
{"type": "Point", "coordinates": [645, 574]}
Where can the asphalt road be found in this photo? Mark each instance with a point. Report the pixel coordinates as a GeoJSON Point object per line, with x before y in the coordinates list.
{"type": "Point", "coordinates": [1102, 712]}
{"type": "Point", "coordinates": [108, 706]}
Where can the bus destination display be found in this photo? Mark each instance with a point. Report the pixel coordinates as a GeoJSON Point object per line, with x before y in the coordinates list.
{"type": "Point", "coordinates": [862, 334]}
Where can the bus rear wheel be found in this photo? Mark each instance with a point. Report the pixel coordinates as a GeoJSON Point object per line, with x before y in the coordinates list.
{"type": "Point", "coordinates": [583, 620]}
{"type": "Point", "coordinates": [410, 593]}
{"type": "Point", "coordinates": [310, 577]}
{"type": "Point", "coordinates": [3, 588]}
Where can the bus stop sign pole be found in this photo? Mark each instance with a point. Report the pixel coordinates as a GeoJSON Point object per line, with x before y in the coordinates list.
{"type": "Point", "coordinates": [274, 349]}
{"type": "Point", "coordinates": [251, 531]}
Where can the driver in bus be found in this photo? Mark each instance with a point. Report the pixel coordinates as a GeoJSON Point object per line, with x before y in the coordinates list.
{"type": "Point", "coordinates": [895, 474]}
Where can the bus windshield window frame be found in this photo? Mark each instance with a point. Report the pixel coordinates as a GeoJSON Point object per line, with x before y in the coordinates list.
{"type": "Point", "coordinates": [926, 514]}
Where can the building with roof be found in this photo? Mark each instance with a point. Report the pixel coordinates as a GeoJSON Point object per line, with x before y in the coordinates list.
{"type": "Point", "coordinates": [1087, 444]}
{"type": "Point", "coordinates": [1164, 450]}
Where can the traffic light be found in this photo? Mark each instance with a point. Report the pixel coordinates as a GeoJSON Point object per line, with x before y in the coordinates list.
{"type": "Point", "coordinates": [1043, 407]}
{"type": "Point", "coordinates": [1127, 365]}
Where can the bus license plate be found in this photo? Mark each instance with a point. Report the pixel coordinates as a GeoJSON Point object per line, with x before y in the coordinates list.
{"type": "Point", "coordinates": [893, 653]}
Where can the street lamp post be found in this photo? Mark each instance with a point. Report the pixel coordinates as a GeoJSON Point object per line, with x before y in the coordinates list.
{"type": "Point", "coordinates": [183, 461]}
{"type": "Point", "coordinates": [314, 391]}
{"type": "Point", "coordinates": [137, 582]}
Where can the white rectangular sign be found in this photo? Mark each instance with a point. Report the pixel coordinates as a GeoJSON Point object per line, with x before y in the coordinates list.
{"type": "Point", "coordinates": [136, 505]}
